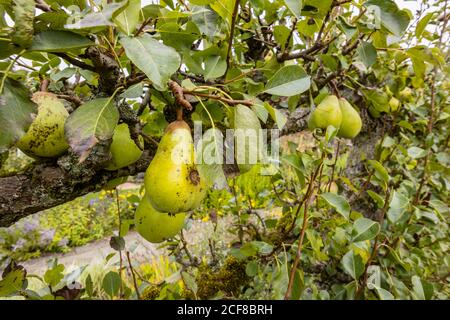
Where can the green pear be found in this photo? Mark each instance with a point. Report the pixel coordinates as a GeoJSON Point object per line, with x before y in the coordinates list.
{"type": "Point", "coordinates": [351, 121]}
{"type": "Point", "coordinates": [155, 226]}
{"type": "Point", "coordinates": [123, 149]}
{"type": "Point", "coordinates": [326, 113]}
{"type": "Point", "coordinates": [45, 136]}
{"type": "Point", "coordinates": [172, 181]}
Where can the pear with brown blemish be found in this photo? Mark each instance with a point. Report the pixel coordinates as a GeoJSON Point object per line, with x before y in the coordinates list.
{"type": "Point", "coordinates": [45, 136]}
{"type": "Point", "coordinates": [172, 181]}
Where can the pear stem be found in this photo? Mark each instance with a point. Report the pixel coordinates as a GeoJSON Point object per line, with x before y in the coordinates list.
{"type": "Point", "coordinates": [179, 114]}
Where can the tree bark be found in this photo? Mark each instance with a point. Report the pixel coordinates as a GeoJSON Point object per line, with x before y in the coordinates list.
{"type": "Point", "coordinates": [50, 184]}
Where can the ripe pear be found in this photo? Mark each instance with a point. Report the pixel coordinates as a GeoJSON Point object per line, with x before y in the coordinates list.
{"type": "Point", "coordinates": [326, 113]}
{"type": "Point", "coordinates": [45, 136]}
{"type": "Point", "coordinates": [172, 181]}
{"type": "Point", "coordinates": [155, 226]}
{"type": "Point", "coordinates": [123, 149]}
{"type": "Point", "coordinates": [351, 121]}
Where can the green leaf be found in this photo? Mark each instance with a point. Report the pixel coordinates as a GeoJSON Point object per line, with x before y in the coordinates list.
{"type": "Point", "coordinates": [215, 67]}
{"type": "Point", "coordinates": [367, 53]}
{"type": "Point", "coordinates": [111, 283]}
{"type": "Point", "coordinates": [209, 158]}
{"type": "Point", "coordinates": [12, 282]}
{"type": "Point", "coordinates": [24, 11]}
{"type": "Point", "coordinates": [117, 243]}
{"type": "Point", "coordinates": [416, 152]}
{"type": "Point", "coordinates": [189, 281]}
{"type": "Point", "coordinates": [90, 123]}
{"type": "Point", "coordinates": [390, 16]}
{"type": "Point", "coordinates": [224, 9]}
{"type": "Point", "coordinates": [384, 294]}
{"type": "Point", "coordinates": [337, 202]}
{"type": "Point", "coordinates": [206, 20]}
{"type": "Point", "coordinates": [89, 286]}
{"type": "Point", "coordinates": [276, 115]}
{"type": "Point", "coordinates": [128, 19]}
{"type": "Point", "coordinates": [102, 18]}
{"type": "Point", "coordinates": [397, 207]}
{"type": "Point", "coordinates": [63, 74]}
{"type": "Point", "coordinates": [294, 6]}
{"type": "Point", "coordinates": [422, 290]}
{"type": "Point", "coordinates": [365, 229]}
{"type": "Point", "coordinates": [380, 171]}
{"type": "Point", "coordinates": [201, 2]}
{"type": "Point", "coordinates": [251, 268]}
{"type": "Point", "coordinates": [288, 81]}
{"type": "Point", "coordinates": [155, 59]}
{"type": "Point", "coordinates": [422, 24]}
{"type": "Point", "coordinates": [377, 198]}
{"type": "Point", "coordinates": [54, 275]}
{"type": "Point", "coordinates": [179, 37]}
{"type": "Point", "coordinates": [16, 110]}
{"type": "Point", "coordinates": [352, 264]}
{"type": "Point", "coordinates": [59, 41]}
{"type": "Point", "coordinates": [247, 137]}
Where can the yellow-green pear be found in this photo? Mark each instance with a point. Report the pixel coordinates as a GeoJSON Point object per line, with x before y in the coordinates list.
{"type": "Point", "coordinates": [123, 149]}
{"type": "Point", "coordinates": [172, 181]}
{"type": "Point", "coordinates": [326, 113]}
{"type": "Point", "coordinates": [351, 121]}
{"type": "Point", "coordinates": [155, 226]}
{"type": "Point", "coordinates": [394, 103]}
{"type": "Point", "coordinates": [45, 136]}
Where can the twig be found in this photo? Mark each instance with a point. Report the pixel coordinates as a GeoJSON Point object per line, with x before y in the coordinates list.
{"type": "Point", "coordinates": [74, 61]}
{"type": "Point", "coordinates": [334, 165]}
{"type": "Point", "coordinates": [120, 251]}
{"type": "Point", "coordinates": [230, 40]}
{"type": "Point", "coordinates": [44, 85]}
{"type": "Point", "coordinates": [287, 296]}
{"type": "Point", "coordinates": [178, 93]}
{"type": "Point", "coordinates": [145, 102]}
{"type": "Point", "coordinates": [134, 277]}
{"type": "Point", "coordinates": [375, 246]}
{"type": "Point", "coordinates": [231, 102]}
{"type": "Point", "coordinates": [72, 98]}
{"type": "Point", "coordinates": [40, 4]}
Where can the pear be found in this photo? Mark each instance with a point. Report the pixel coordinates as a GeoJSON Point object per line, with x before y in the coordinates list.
{"type": "Point", "coordinates": [123, 149]}
{"type": "Point", "coordinates": [155, 226]}
{"type": "Point", "coordinates": [45, 136]}
{"type": "Point", "coordinates": [172, 181]}
{"type": "Point", "coordinates": [351, 121]}
{"type": "Point", "coordinates": [326, 113]}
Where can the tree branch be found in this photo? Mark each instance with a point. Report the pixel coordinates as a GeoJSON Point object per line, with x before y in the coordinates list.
{"type": "Point", "coordinates": [47, 185]}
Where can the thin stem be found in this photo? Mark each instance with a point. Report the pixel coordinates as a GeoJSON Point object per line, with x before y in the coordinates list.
{"type": "Point", "coordinates": [120, 251]}
{"type": "Point", "coordinates": [136, 288]}
{"type": "Point", "coordinates": [8, 69]}
{"type": "Point", "coordinates": [230, 40]}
